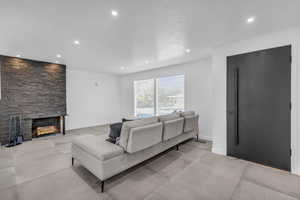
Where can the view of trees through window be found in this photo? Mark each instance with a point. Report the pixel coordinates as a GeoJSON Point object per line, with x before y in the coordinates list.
{"type": "Point", "coordinates": [158, 97]}
{"type": "Point", "coordinates": [144, 98]}
{"type": "Point", "coordinates": [170, 92]}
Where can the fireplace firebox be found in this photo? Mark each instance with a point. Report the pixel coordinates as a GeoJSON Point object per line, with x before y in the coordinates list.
{"type": "Point", "coordinates": [46, 126]}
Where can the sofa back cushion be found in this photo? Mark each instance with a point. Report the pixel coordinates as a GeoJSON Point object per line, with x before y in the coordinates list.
{"type": "Point", "coordinates": [173, 128]}
{"type": "Point", "coordinates": [133, 124]}
{"type": "Point", "coordinates": [169, 117]}
{"type": "Point", "coordinates": [143, 137]}
{"type": "Point", "coordinates": [187, 113]}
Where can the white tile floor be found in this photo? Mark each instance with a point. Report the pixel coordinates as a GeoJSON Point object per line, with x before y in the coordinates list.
{"type": "Point", "coordinates": [41, 170]}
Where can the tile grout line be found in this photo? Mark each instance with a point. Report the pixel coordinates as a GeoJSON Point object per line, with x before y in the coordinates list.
{"type": "Point", "coordinates": [182, 171]}
{"type": "Point", "coordinates": [241, 179]}
{"type": "Point", "coordinates": [29, 181]}
{"type": "Point", "coordinates": [270, 188]}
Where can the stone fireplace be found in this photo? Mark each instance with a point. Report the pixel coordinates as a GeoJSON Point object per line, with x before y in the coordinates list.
{"type": "Point", "coordinates": [46, 126]}
{"type": "Point", "coordinates": [34, 90]}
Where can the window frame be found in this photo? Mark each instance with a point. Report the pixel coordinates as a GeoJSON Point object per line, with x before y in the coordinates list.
{"type": "Point", "coordinates": [134, 95]}
{"type": "Point", "coordinates": [156, 85]}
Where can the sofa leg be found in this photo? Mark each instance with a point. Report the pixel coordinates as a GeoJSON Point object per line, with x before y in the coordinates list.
{"type": "Point", "coordinates": [177, 147]}
{"type": "Point", "coordinates": [72, 161]}
{"type": "Point", "coordinates": [102, 186]}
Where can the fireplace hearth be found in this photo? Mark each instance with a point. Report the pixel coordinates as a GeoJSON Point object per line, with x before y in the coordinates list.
{"type": "Point", "coordinates": [46, 126]}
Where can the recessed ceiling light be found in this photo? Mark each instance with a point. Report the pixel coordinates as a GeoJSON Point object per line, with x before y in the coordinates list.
{"type": "Point", "coordinates": [122, 68]}
{"type": "Point", "coordinates": [250, 20]}
{"type": "Point", "coordinates": [114, 13]}
{"type": "Point", "coordinates": [147, 62]}
{"type": "Point", "coordinates": [58, 55]}
{"type": "Point", "coordinates": [76, 42]}
{"type": "Point", "coordinates": [187, 50]}
{"type": "Point", "coordinates": [18, 55]}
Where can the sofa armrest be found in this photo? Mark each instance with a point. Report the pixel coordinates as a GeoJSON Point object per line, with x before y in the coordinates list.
{"type": "Point", "coordinates": [144, 137]}
{"type": "Point", "coordinates": [191, 124]}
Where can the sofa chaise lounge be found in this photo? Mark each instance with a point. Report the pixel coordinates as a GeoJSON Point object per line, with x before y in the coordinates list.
{"type": "Point", "coordinates": [140, 140]}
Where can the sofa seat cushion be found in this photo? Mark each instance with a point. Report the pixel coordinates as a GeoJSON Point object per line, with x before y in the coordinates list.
{"type": "Point", "coordinates": [98, 146]}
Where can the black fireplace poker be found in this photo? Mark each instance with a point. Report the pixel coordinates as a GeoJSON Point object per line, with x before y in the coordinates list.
{"type": "Point", "coordinates": [15, 136]}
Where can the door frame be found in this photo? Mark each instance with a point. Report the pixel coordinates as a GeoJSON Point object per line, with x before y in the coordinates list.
{"type": "Point", "coordinates": [293, 124]}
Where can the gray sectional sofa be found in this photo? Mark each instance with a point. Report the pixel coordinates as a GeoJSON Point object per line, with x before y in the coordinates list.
{"type": "Point", "coordinates": [140, 140]}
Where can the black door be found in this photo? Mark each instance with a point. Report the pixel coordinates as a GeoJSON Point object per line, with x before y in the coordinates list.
{"type": "Point", "coordinates": [258, 107]}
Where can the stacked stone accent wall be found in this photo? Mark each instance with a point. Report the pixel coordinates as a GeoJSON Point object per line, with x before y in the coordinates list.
{"type": "Point", "coordinates": [33, 89]}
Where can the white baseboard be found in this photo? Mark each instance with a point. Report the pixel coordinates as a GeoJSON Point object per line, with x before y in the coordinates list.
{"type": "Point", "coordinates": [205, 137]}
{"type": "Point", "coordinates": [296, 171]}
{"type": "Point", "coordinates": [218, 150]}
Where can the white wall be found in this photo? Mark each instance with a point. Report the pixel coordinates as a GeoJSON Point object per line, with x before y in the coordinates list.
{"type": "Point", "coordinates": [89, 104]}
{"type": "Point", "coordinates": [219, 87]}
{"type": "Point", "coordinates": [198, 90]}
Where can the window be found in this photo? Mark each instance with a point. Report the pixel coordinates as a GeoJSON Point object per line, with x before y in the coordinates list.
{"type": "Point", "coordinates": [158, 97]}
{"type": "Point", "coordinates": [170, 94]}
{"type": "Point", "coordinates": [144, 98]}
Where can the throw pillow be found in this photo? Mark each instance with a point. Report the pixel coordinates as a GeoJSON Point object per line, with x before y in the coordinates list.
{"type": "Point", "coordinates": [115, 131]}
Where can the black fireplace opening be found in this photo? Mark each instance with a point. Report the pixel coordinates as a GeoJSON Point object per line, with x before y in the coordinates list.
{"type": "Point", "coordinates": [46, 126]}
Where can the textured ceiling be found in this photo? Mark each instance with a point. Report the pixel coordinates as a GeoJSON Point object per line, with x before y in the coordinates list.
{"type": "Point", "coordinates": [159, 31]}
